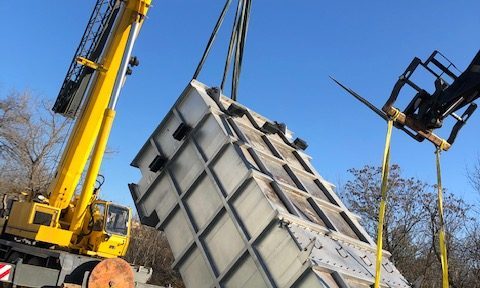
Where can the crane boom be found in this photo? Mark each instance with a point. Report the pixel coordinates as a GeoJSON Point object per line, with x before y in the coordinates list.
{"type": "Point", "coordinates": [87, 127]}
{"type": "Point", "coordinates": [85, 224]}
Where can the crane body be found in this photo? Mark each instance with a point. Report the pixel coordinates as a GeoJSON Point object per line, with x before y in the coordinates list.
{"type": "Point", "coordinates": [80, 226]}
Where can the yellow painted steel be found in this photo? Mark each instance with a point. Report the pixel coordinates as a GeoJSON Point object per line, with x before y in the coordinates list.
{"type": "Point", "coordinates": [115, 246]}
{"type": "Point", "coordinates": [54, 235]}
{"type": "Point", "coordinates": [442, 244]}
{"type": "Point", "coordinates": [68, 225]}
{"type": "Point", "coordinates": [108, 245]}
{"type": "Point", "coordinates": [99, 241]}
{"type": "Point", "coordinates": [86, 129]}
{"type": "Point", "coordinates": [91, 64]}
{"type": "Point", "coordinates": [88, 186]}
{"type": "Point", "coordinates": [24, 213]}
{"type": "Point", "coordinates": [23, 223]}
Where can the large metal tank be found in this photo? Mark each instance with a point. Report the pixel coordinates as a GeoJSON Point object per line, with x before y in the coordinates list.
{"type": "Point", "coordinates": [242, 206]}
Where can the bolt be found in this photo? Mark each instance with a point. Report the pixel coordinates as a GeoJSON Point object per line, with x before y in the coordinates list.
{"type": "Point", "coordinates": [134, 61]}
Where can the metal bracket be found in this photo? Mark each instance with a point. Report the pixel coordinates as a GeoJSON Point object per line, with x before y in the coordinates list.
{"type": "Point", "coordinates": [90, 64]}
{"type": "Point", "coordinates": [305, 253]}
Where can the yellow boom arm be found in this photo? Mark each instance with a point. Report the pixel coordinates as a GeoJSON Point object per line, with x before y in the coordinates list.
{"type": "Point", "coordinates": [95, 120]}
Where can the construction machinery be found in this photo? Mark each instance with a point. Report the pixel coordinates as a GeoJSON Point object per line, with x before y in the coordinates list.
{"type": "Point", "coordinates": [427, 111]}
{"type": "Point", "coordinates": [424, 114]}
{"type": "Point", "coordinates": [62, 238]}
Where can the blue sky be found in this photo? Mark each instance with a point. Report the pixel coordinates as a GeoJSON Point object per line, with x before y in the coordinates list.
{"type": "Point", "coordinates": [291, 49]}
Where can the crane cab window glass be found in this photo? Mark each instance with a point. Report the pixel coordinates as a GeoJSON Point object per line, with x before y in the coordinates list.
{"type": "Point", "coordinates": [117, 220]}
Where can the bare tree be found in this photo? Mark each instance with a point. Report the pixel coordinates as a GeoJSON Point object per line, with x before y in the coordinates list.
{"type": "Point", "coordinates": [404, 213]}
{"type": "Point", "coordinates": [473, 175]}
{"type": "Point", "coordinates": [457, 221]}
{"type": "Point", "coordinates": [30, 139]}
{"type": "Point", "coordinates": [149, 247]}
{"type": "Point", "coordinates": [411, 224]}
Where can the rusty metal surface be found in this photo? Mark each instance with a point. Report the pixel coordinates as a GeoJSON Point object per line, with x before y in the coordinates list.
{"type": "Point", "coordinates": [111, 273]}
{"type": "Point", "coordinates": [412, 124]}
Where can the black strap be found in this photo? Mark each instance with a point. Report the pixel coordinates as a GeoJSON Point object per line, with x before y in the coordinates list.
{"type": "Point", "coordinates": [212, 38]}
{"type": "Point", "coordinates": [233, 40]}
{"type": "Point", "coordinates": [236, 44]}
{"type": "Point", "coordinates": [242, 35]}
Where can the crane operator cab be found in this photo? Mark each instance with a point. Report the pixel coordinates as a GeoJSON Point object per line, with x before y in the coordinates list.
{"type": "Point", "coordinates": [117, 220]}
{"type": "Point", "coordinates": [107, 232]}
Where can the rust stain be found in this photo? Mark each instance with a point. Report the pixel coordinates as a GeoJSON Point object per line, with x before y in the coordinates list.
{"type": "Point", "coordinates": [111, 273]}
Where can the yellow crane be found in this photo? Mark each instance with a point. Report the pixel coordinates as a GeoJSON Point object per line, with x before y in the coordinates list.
{"type": "Point", "coordinates": [82, 224]}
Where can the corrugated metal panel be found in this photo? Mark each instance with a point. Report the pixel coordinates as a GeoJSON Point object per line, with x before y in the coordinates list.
{"type": "Point", "coordinates": [243, 207]}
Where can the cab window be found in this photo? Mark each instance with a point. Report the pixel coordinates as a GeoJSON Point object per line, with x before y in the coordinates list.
{"type": "Point", "coordinates": [117, 220]}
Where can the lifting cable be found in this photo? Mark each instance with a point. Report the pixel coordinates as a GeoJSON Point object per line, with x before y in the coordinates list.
{"type": "Point", "coordinates": [441, 237]}
{"type": "Point", "coordinates": [383, 204]}
{"type": "Point", "coordinates": [236, 44]}
{"type": "Point", "coordinates": [212, 39]}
